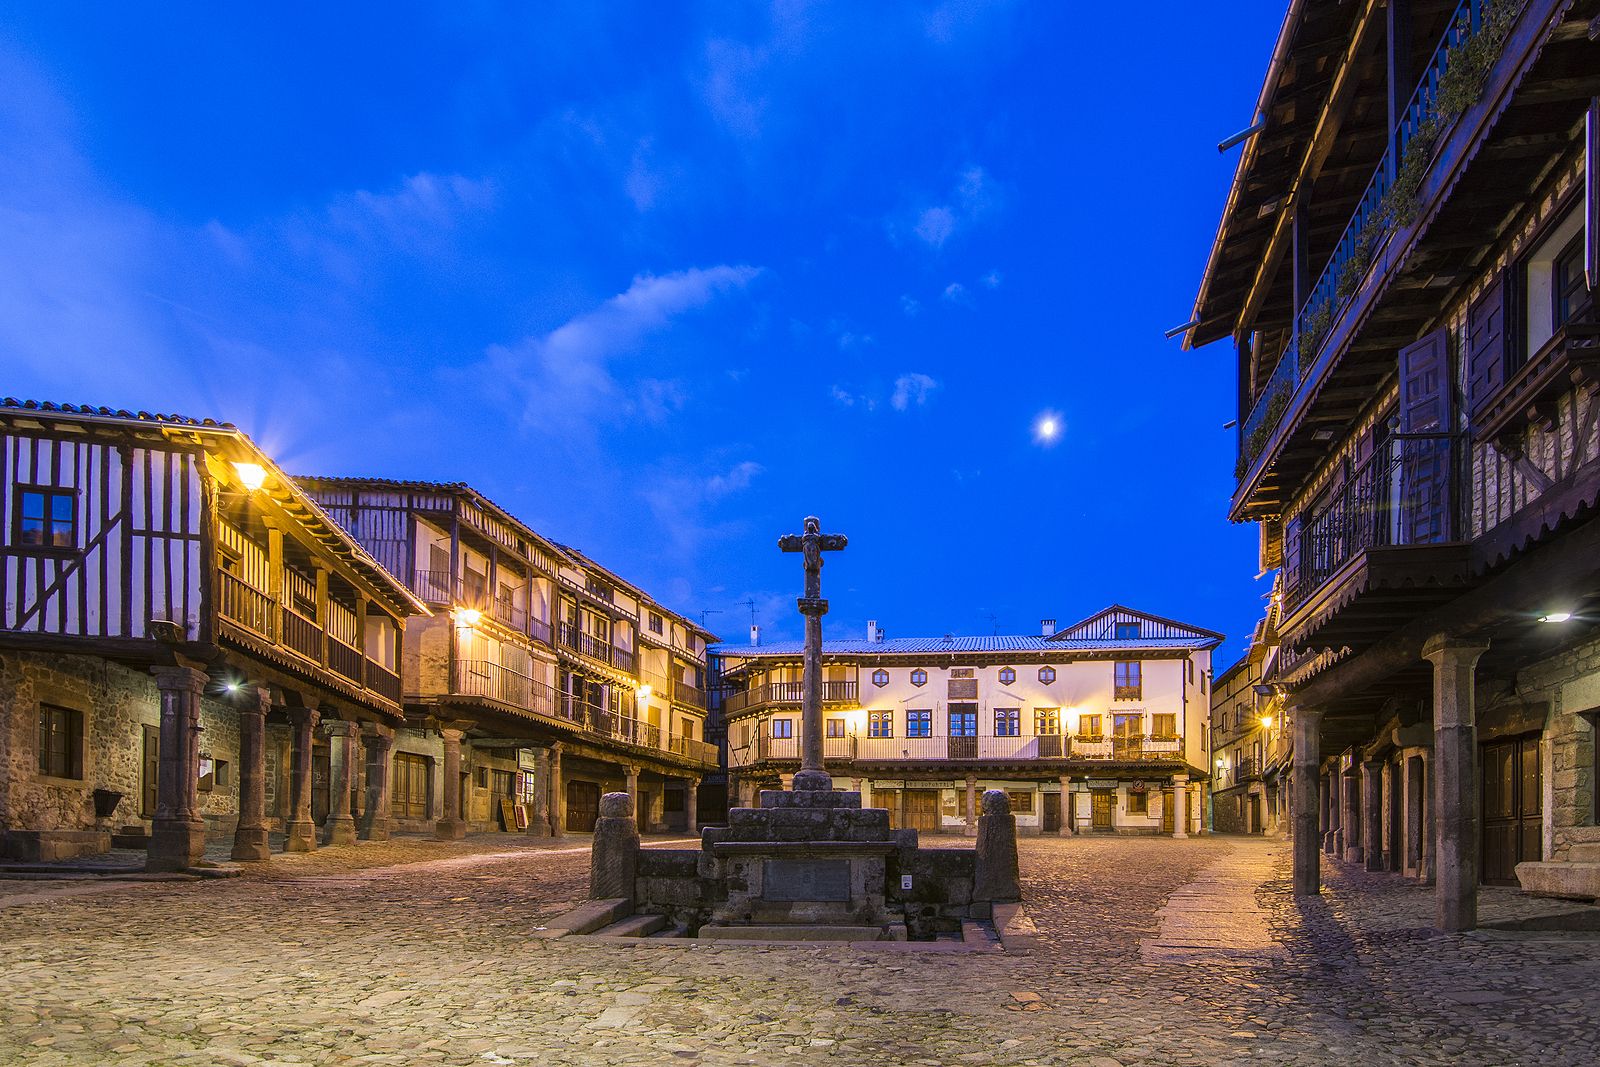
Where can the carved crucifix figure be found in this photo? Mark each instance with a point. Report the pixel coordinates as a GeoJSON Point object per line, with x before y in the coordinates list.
{"type": "Point", "coordinates": [813, 543]}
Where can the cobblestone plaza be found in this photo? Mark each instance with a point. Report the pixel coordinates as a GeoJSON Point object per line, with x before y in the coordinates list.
{"type": "Point", "coordinates": [425, 952]}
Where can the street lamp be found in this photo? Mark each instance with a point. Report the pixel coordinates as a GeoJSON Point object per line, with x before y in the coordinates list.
{"type": "Point", "coordinates": [251, 475]}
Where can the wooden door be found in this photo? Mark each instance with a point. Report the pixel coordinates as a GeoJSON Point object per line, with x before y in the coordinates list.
{"type": "Point", "coordinates": [1425, 502]}
{"type": "Point", "coordinates": [1101, 802]}
{"type": "Point", "coordinates": [922, 809]}
{"type": "Point", "coordinates": [889, 799]}
{"type": "Point", "coordinates": [1052, 813]}
{"type": "Point", "coordinates": [1255, 826]}
{"type": "Point", "coordinates": [1167, 811]}
{"type": "Point", "coordinates": [150, 770]}
{"type": "Point", "coordinates": [583, 806]}
{"type": "Point", "coordinates": [1512, 808]}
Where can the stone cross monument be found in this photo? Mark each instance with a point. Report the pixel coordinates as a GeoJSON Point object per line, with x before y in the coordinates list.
{"type": "Point", "coordinates": [813, 543]}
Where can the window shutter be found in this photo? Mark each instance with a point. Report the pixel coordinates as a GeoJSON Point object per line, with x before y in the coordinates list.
{"type": "Point", "coordinates": [1486, 345]}
{"type": "Point", "coordinates": [1425, 385]}
{"type": "Point", "coordinates": [1291, 548]}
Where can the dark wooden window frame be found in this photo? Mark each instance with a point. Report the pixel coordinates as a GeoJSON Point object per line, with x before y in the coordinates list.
{"type": "Point", "coordinates": [782, 729]}
{"type": "Point", "coordinates": [880, 678]}
{"type": "Point", "coordinates": [1047, 675]}
{"type": "Point", "coordinates": [967, 725]}
{"type": "Point", "coordinates": [1008, 722]}
{"type": "Point", "coordinates": [64, 758]}
{"type": "Point", "coordinates": [919, 722]}
{"type": "Point", "coordinates": [919, 677]}
{"type": "Point", "coordinates": [48, 493]}
{"type": "Point", "coordinates": [880, 724]}
{"type": "Point", "coordinates": [1127, 679]}
{"type": "Point", "coordinates": [1008, 675]}
{"type": "Point", "coordinates": [835, 726]}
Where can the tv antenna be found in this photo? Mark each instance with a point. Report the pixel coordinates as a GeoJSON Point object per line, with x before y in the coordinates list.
{"type": "Point", "coordinates": [708, 611]}
{"type": "Point", "coordinates": [751, 604]}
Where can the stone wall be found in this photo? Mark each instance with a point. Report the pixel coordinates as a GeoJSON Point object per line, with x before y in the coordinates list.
{"type": "Point", "coordinates": [116, 703]}
{"type": "Point", "coordinates": [1569, 685]}
{"type": "Point", "coordinates": [1230, 811]}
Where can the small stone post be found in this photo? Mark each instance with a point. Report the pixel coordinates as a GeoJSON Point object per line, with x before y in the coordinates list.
{"type": "Point", "coordinates": [971, 809]}
{"type": "Point", "coordinates": [539, 817]}
{"type": "Point", "coordinates": [1372, 820]}
{"type": "Point", "coordinates": [691, 805]}
{"type": "Point", "coordinates": [558, 794]}
{"type": "Point", "coordinates": [1180, 805]}
{"type": "Point", "coordinates": [450, 826]}
{"type": "Point", "coordinates": [614, 856]}
{"type": "Point", "coordinates": [1068, 824]}
{"type": "Point", "coordinates": [630, 774]}
{"type": "Point", "coordinates": [1305, 785]}
{"type": "Point", "coordinates": [380, 759]}
{"type": "Point", "coordinates": [998, 875]}
{"type": "Point", "coordinates": [250, 835]}
{"type": "Point", "coordinates": [301, 830]}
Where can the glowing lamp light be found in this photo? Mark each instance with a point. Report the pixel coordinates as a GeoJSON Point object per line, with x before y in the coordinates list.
{"type": "Point", "coordinates": [232, 687]}
{"type": "Point", "coordinates": [644, 692]}
{"type": "Point", "coordinates": [1266, 722]}
{"type": "Point", "coordinates": [468, 617]}
{"type": "Point", "coordinates": [1556, 616]}
{"type": "Point", "coordinates": [251, 475]}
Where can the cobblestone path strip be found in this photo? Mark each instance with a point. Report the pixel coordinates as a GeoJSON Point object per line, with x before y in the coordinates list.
{"type": "Point", "coordinates": [1215, 918]}
{"type": "Point", "coordinates": [420, 952]}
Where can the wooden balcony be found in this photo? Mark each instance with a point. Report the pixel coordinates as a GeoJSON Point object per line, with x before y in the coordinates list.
{"type": "Point", "coordinates": [691, 695]}
{"type": "Point", "coordinates": [264, 624]}
{"type": "Point", "coordinates": [1388, 546]}
{"type": "Point", "coordinates": [843, 692]}
{"type": "Point", "coordinates": [855, 750]}
{"type": "Point", "coordinates": [1570, 359]}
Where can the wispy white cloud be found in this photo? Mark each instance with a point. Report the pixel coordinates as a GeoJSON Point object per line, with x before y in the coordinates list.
{"type": "Point", "coordinates": [910, 305]}
{"type": "Point", "coordinates": [974, 195]}
{"type": "Point", "coordinates": [993, 279]}
{"type": "Point", "coordinates": [684, 503]}
{"type": "Point", "coordinates": [956, 293]}
{"type": "Point", "coordinates": [912, 390]}
{"type": "Point", "coordinates": [564, 379]}
{"type": "Point", "coordinates": [935, 225]}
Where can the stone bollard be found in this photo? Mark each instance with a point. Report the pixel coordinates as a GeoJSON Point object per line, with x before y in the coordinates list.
{"type": "Point", "coordinates": [614, 857]}
{"type": "Point", "coordinates": [998, 877]}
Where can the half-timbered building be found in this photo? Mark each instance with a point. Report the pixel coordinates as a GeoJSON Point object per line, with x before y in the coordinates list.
{"type": "Point", "coordinates": [1407, 265]}
{"type": "Point", "coordinates": [1107, 715]}
{"type": "Point", "coordinates": [542, 681]}
{"type": "Point", "coordinates": [189, 646]}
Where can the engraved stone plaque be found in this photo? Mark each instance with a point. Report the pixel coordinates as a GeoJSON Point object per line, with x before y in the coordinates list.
{"type": "Point", "coordinates": [825, 880]}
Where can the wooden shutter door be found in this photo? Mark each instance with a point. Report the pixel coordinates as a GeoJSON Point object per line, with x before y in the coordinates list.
{"type": "Point", "coordinates": [149, 771]}
{"type": "Point", "coordinates": [1424, 501]}
{"type": "Point", "coordinates": [1486, 345]}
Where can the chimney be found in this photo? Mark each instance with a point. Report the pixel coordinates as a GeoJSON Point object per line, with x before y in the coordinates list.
{"type": "Point", "coordinates": [872, 632]}
{"type": "Point", "coordinates": [1047, 627]}
{"type": "Point", "coordinates": [755, 635]}
{"type": "Point", "coordinates": [877, 636]}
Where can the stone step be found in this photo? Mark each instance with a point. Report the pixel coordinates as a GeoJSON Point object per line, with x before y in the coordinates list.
{"type": "Point", "coordinates": [680, 930]}
{"type": "Point", "coordinates": [634, 926]}
{"type": "Point", "coordinates": [588, 917]}
{"type": "Point", "coordinates": [791, 933]}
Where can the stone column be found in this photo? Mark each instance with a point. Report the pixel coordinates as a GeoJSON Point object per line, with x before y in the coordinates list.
{"type": "Point", "coordinates": [380, 760]}
{"type": "Point", "coordinates": [1372, 814]}
{"type": "Point", "coordinates": [1430, 836]}
{"type": "Point", "coordinates": [1412, 825]}
{"type": "Point", "coordinates": [1068, 822]}
{"type": "Point", "coordinates": [178, 833]}
{"type": "Point", "coordinates": [614, 856]}
{"type": "Point", "coordinates": [250, 836]}
{"type": "Point", "coordinates": [1307, 725]}
{"type": "Point", "coordinates": [1455, 780]}
{"type": "Point", "coordinates": [972, 805]}
{"type": "Point", "coordinates": [1386, 805]}
{"type": "Point", "coordinates": [558, 794]}
{"type": "Point", "coordinates": [1353, 824]}
{"type": "Point", "coordinates": [786, 782]}
{"type": "Point", "coordinates": [997, 876]}
{"type": "Point", "coordinates": [301, 830]}
{"type": "Point", "coordinates": [539, 818]}
{"type": "Point", "coordinates": [630, 776]}
{"type": "Point", "coordinates": [691, 806]}
{"type": "Point", "coordinates": [1180, 805]}
{"type": "Point", "coordinates": [339, 828]}
{"type": "Point", "coordinates": [450, 827]}
{"type": "Point", "coordinates": [813, 774]}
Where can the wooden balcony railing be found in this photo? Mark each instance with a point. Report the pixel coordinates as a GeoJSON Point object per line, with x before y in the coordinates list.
{"type": "Point", "coordinates": [1128, 692]}
{"type": "Point", "coordinates": [435, 587]}
{"type": "Point", "coordinates": [539, 629]}
{"type": "Point", "coordinates": [854, 748]}
{"type": "Point", "coordinates": [623, 660]}
{"type": "Point", "coordinates": [302, 635]}
{"type": "Point", "coordinates": [245, 605]}
{"type": "Point", "coordinates": [505, 611]}
{"type": "Point", "coordinates": [833, 692]}
{"type": "Point", "coordinates": [688, 694]}
{"type": "Point", "coordinates": [344, 660]}
{"type": "Point", "coordinates": [383, 681]}
{"type": "Point", "coordinates": [586, 644]}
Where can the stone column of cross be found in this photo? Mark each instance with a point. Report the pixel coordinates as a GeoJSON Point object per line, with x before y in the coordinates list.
{"type": "Point", "coordinates": [812, 543]}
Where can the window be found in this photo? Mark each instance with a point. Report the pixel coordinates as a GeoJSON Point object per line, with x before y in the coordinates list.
{"type": "Point", "coordinates": [1090, 727]}
{"type": "Point", "coordinates": [919, 723]}
{"type": "Point", "coordinates": [1203, 682]}
{"type": "Point", "coordinates": [410, 786]}
{"type": "Point", "coordinates": [782, 727]}
{"type": "Point", "coordinates": [835, 727]}
{"type": "Point", "coordinates": [1047, 675]}
{"type": "Point", "coordinates": [963, 723]}
{"type": "Point", "coordinates": [1138, 803]}
{"type": "Point", "coordinates": [1021, 803]}
{"type": "Point", "coordinates": [656, 623]}
{"type": "Point", "coordinates": [483, 778]}
{"type": "Point", "coordinates": [1128, 680]}
{"type": "Point", "coordinates": [1007, 676]}
{"type": "Point", "coordinates": [503, 783]}
{"type": "Point", "coordinates": [1046, 720]}
{"type": "Point", "coordinates": [1164, 725]}
{"type": "Point", "coordinates": [1188, 670]}
{"type": "Point", "coordinates": [213, 775]}
{"type": "Point", "coordinates": [1007, 722]}
{"type": "Point", "coordinates": [46, 518]}
{"type": "Point", "coordinates": [919, 677]}
{"type": "Point", "coordinates": [880, 724]}
{"type": "Point", "coordinates": [1568, 286]}
{"type": "Point", "coordinates": [60, 742]}
{"type": "Point", "coordinates": [880, 678]}
{"type": "Point", "coordinates": [1127, 725]}
{"type": "Point", "coordinates": [1127, 631]}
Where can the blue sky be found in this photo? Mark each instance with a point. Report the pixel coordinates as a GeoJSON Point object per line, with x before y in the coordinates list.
{"type": "Point", "coordinates": [664, 278]}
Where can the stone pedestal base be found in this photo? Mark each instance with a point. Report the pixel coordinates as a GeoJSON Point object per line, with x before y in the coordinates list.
{"type": "Point", "coordinates": [339, 830]}
{"type": "Point", "coordinates": [302, 836]}
{"type": "Point", "coordinates": [251, 844]}
{"type": "Point", "coordinates": [812, 781]}
{"type": "Point", "coordinates": [449, 829]}
{"type": "Point", "coordinates": [377, 829]}
{"type": "Point", "coordinates": [176, 846]}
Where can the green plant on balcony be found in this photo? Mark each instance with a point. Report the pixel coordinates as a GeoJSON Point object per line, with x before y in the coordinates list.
{"type": "Point", "coordinates": [1277, 404]}
{"type": "Point", "coordinates": [1355, 265]}
{"type": "Point", "coordinates": [1461, 85]}
{"type": "Point", "coordinates": [1312, 332]}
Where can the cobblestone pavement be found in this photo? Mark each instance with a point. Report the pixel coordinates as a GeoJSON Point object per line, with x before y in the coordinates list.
{"type": "Point", "coordinates": [418, 952]}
